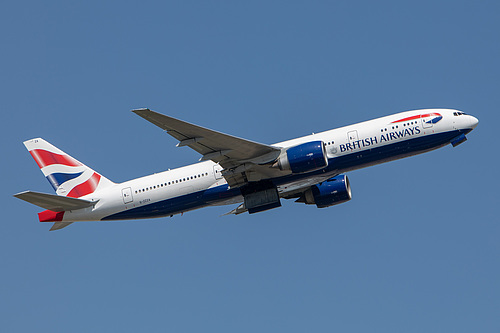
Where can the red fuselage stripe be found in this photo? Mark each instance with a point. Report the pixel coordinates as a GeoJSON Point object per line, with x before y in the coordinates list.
{"type": "Point", "coordinates": [416, 117]}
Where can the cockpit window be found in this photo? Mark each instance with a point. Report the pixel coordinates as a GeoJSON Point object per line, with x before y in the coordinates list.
{"type": "Point", "coordinates": [459, 113]}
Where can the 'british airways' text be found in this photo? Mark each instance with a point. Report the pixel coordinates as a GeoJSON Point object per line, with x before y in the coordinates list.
{"type": "Point", "coordinates": [358, 144]}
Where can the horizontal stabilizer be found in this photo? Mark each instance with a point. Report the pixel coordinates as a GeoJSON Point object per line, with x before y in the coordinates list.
{"type": "Point", "coordinates": [59, 225]}
{"type": "Point", "coordinates": [55, 203]}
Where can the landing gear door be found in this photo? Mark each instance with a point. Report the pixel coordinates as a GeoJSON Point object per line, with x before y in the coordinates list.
{"type": "Point", "coordinates": [127, 195]}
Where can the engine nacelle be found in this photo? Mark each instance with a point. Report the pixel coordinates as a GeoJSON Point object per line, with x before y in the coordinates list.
{"type": "Point", "coordinates": [334, 191]}
{"type": "Point", "coordinates": [307, 157]}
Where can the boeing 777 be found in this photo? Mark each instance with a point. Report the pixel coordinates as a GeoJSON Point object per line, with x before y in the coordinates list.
{"type": "Point", "coordinates": [232, 170]}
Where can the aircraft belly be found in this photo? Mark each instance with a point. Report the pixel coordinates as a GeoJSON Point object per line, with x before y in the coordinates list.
{"type": "Point", "coordinates": [179, 204]}
{"type": "Point", "coordinates": [221, 195]}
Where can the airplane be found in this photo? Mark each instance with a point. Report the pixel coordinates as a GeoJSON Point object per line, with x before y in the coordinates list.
{"type": "Point", "coordinates": [232, 170]}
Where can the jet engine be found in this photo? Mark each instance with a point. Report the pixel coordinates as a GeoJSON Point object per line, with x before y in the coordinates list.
{"type": "Point", "coordinates": [306, 157]}
{"type": "Point", "coordinates": [334, 191]}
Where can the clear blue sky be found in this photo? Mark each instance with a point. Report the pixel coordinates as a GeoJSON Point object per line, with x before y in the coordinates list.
{"type": "Point", "coordinates": [416, 250]}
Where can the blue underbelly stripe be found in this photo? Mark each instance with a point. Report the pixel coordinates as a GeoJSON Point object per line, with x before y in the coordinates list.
{"type": "Point", "coordinates": [340, 164]}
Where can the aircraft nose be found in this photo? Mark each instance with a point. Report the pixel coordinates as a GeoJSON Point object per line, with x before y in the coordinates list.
{"type": "Point", "coordinates": [473, 121]}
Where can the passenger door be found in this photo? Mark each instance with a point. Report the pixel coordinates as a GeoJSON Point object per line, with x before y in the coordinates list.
{"type": "Point", "coordinates": [217, 172]}
{"type": "Point", "coordinates": [352, 136]}
{"type": "Point", "coordinates": [426, 121]}
{"type": "Point", "coordinates": [127, 195]}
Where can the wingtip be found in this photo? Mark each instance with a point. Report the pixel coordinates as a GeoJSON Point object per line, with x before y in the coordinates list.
{"type": "Point", "coordinates": [140, 110]}
{"type": "Point", "coordinates": [20, 194]}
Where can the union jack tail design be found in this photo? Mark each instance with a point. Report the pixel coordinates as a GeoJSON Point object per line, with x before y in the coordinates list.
{"type": "Point", "coordinates": [67, 176]}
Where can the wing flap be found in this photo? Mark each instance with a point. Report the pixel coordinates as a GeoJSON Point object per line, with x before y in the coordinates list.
{"type": "Point", "coordinates": [55, 203]}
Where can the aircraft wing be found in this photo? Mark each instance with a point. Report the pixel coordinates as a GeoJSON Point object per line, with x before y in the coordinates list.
{"type": "Point", "coordinates": [235, 155]}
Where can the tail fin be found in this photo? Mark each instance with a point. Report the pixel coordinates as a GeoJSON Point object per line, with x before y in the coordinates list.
{"type": "Point", "coordinates": [67, 176]}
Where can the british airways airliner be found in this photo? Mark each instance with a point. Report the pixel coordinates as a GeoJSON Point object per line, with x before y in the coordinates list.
{"type": "Point", "coordinates": [236, 171]}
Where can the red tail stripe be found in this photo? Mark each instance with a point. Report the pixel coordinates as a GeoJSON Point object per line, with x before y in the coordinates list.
{"type": "Point", "coordinates": [85, 188]}
{"type": "Point", "coordinates": [44, 158]}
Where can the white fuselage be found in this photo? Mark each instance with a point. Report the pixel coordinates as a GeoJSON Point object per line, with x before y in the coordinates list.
{"type": "Point", "coordinates": [348, 148]}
